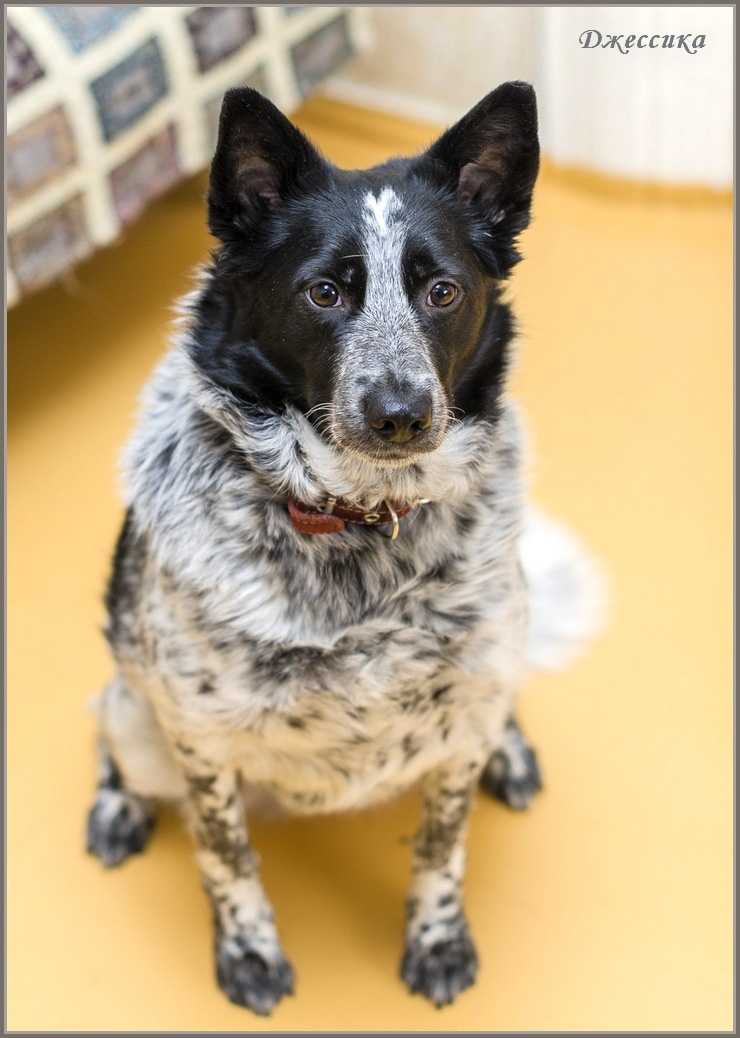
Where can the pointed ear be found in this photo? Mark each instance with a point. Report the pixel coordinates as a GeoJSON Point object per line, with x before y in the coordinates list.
{"type": "Point", "coordinates": [491, 158]}
{"type": "Point", "coordinates": [261, 160]}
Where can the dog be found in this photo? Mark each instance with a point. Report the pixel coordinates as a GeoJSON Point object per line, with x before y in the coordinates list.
{"type": "Point", "coordinates": [317, 597]}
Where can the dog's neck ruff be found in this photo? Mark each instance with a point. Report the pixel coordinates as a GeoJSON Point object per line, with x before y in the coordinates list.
{"type": "Point", "coordinates": [332, 516]}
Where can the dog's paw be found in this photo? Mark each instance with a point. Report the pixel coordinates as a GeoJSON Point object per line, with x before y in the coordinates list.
{"type": "Point", "coordinates": [514, 788]}
{"type": "Point", "coordinates": [119, 824]}
{"type": "Point", "coordinates": [512, 773]}
{"type": "Point", "coordinates": [441, 970]}
{"type": "Point", "coordinates": [248, 979]}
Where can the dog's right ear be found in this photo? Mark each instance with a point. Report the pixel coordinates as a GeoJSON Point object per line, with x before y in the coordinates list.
{"type": "Point", "coordinates": [261, 160]}
{"type": "Point", "coordinates": [490, 159]}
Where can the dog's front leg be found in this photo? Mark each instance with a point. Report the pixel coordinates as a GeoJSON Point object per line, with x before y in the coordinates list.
{"type": "Point", "coordinates": [440, 959]}
{"type": "Point", "coordinates": [250, 965]}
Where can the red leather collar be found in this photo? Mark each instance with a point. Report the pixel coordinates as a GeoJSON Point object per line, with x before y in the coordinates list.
{"type": "Point", "coordinates": [332, 517]}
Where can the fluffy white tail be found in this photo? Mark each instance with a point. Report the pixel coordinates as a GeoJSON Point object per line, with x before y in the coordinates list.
{"type": "Point", "coordinates": [568, 593]}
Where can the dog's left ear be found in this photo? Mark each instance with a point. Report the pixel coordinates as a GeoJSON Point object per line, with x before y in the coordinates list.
{"type": "Point", "coordinates": [491, 159]}
{"type": "Point", "coordinates": [261, 160]}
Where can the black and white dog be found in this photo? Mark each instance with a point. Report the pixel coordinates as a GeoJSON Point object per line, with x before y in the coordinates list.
{"type": "Point", "coordinates": [318, 594]}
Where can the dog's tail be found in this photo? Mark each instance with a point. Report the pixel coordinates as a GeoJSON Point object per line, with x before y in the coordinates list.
{"type": "Point", "coordinates": [568, 593]}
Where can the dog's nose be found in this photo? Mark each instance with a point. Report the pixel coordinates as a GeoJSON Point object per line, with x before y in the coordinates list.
{"type": "Point", "coordinates": [399, 416]}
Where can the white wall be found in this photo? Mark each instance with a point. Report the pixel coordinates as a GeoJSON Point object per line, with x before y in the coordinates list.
{"type": "Point", "coordinates": [660, 114]}
{"type": "Point", "coordinates": [657, 114]}
{"type": "Point", "coordinates": [433, 63]}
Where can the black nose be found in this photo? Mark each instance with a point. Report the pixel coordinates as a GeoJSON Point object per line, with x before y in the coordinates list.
{"type": "Point", "coordinates": [399, 415]}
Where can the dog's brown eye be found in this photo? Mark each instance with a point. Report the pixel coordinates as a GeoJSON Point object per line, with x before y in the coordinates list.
{"type": "Point", "coordinates": [324, 294]}
{"type": "Point", "coordinates": [442, 294]}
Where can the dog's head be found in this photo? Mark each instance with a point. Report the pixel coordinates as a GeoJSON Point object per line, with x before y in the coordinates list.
{"type": "Point", "coordinates": [369, 300]}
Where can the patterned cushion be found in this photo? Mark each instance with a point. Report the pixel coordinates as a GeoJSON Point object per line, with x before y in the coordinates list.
{"type": "Point", "coordinates": [108, 107]}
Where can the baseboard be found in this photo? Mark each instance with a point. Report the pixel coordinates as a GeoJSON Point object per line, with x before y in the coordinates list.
{"type": "Point", "coordinates": [627, 189]}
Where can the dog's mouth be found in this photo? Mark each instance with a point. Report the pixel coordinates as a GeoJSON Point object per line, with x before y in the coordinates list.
{"type": "Point", "coordinates": [382, 447]}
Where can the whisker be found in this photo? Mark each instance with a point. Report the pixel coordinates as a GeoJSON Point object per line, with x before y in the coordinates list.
{"type": "Point", "coordinates": [323, 415]}
{"type": "Point", "coordinates": [329, 408]}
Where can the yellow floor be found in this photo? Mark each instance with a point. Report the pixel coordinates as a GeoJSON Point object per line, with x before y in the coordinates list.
{"type": "Point", "coordinates": [609, 905]}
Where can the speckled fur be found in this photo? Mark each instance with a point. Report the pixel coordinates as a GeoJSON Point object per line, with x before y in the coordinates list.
{"type": "Point", "coordinates": [322, 673]}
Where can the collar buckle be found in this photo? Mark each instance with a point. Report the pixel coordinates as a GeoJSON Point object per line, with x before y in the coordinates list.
{"type": "Point", "coordinates": [393, 532]}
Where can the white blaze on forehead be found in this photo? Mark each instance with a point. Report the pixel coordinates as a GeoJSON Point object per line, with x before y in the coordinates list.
{"type": "Point", "coordinates": [384, 234]}
{"type": "Point", "coordinates": [381, 208]}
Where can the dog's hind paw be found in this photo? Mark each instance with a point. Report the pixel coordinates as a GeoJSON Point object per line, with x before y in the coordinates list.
{"type": "Point", "coordinates": [119, 824]}
{"type": "Point", "coordinates": [248, 979]}
{"type": "Point", "coordinates": [512, 773]}
{"type": "Point", "coordinates": [440, 971]}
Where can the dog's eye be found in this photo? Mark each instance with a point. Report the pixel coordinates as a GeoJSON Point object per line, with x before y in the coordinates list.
{"type": "Point", "coordinates": [324, 294]}
{"type": "Point", "coordinates": [442, 294]}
